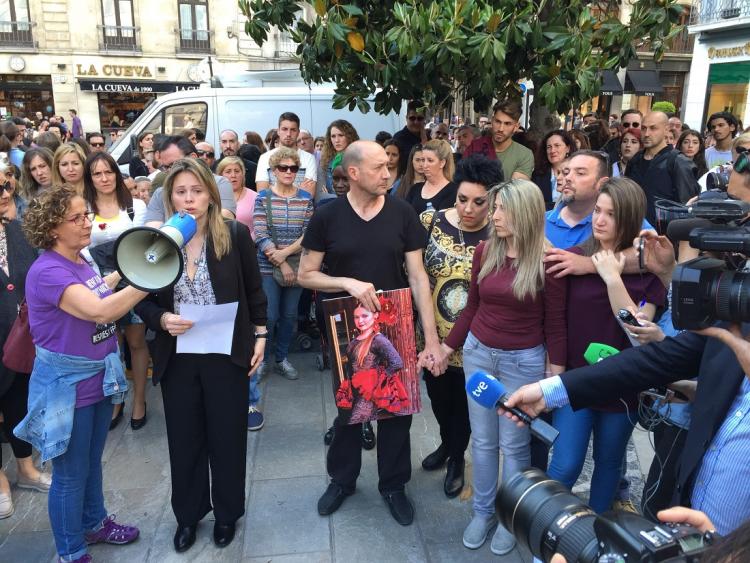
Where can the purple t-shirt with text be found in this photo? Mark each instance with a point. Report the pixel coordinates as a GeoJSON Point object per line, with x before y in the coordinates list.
{"type": "Point", "coordinates": [57, 331]}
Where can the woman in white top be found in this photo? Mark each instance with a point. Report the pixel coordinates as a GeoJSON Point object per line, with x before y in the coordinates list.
{"type": "Point", "coordinates": [117, 211]}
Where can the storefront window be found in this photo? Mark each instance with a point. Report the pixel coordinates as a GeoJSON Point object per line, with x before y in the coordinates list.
{"type": "Point", "coordinates": [119, 110]}
{"type": "Point", "coordinates": [728, 85]}
{"type": "Point", "coordinates": [24, 95]}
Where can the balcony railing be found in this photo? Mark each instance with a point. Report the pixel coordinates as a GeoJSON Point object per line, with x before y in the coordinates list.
{"type": "Point", "coordinates": [119, 38]}
{"type": "Point", "coordinates": [286, 48]}
{"type": "Point", "coordinates": [680, 44]}
{"type": "Point", "coordinates": [194, 40]}
{"type": "Point", "coordinates": [16, 34]}
{"type": "Point", "coordinates": [718, 11]}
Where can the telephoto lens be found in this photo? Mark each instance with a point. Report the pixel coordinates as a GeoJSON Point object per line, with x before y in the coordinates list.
{"type": "Point", "coordinates": [547, 518]}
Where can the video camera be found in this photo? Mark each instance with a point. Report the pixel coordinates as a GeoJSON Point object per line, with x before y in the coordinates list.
{"type": "Point", "coordinates": [547, 518]}
{"type": "Point", "coordinates": [707, 289]}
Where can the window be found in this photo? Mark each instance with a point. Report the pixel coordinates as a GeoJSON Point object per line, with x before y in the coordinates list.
{"type": "Point", "coordinates": [118, 29]}
{"type": "Point", "coordinates": [15, 26]}
{"type": "Point", "coordinates": [194, 32]}
{"type": "Point", "coordinates": [174, 119]}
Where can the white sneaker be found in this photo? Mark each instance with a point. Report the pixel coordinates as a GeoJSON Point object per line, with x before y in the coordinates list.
{"type": "Point", "coordinates": [502, 542]}
{"type": "Point", "coordinates": [478, 529]}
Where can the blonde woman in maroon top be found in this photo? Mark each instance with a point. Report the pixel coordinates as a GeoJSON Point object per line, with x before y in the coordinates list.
{"type": "Point", "coordinates": [512, 327]}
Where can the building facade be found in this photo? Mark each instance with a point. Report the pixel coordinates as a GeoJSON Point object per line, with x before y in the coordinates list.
{"type": "Point", "coordinates": [720, 70]}
{"type": "Point", "coordinates": [108, 59]}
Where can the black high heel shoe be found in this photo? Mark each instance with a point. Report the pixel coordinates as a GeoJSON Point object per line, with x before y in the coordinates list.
{"type": "Point", "coordinates": [138, 423]}
{"type": "Point", "coordinates": [116, 420]}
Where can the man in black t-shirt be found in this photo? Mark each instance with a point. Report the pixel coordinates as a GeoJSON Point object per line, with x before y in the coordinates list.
{"type": "Point", "coordinates": [365, 239]}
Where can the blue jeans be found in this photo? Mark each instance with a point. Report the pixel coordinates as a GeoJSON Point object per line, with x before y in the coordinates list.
{"type": "Point", "coordinates": [254, 395]}
{"type": "Point", "coordinates": [76, 499]}
{"type": "Point", "coordinates": [282, 316]}
{"type": "Point", "coordinates": [611, 433]}
{"type": "Point", "coordinates": [491, 433]}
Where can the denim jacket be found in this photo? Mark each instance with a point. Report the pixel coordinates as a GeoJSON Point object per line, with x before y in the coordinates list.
{"type": "Point", "coordinates": [52, 397]}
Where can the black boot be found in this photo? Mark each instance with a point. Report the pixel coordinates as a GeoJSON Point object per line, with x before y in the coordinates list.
{"type": "Point", "coordinates": [454, 477]}
{"type": "Point", "coordinates": [328, 436]}
{"type": "Point", "coordinates": [436, 459]}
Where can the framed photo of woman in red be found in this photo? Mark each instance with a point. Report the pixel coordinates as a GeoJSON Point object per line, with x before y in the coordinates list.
{"type": "Point", "coordinates": [373, 357]}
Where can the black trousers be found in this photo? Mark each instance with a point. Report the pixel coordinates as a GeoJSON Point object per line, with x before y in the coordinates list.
{"type": "Point", "coordinates": [394, 454]}
{"type": "Point", "coordinates": [13, 405]}
{"type": "Point", "coordinates": [205, 406]}
{"type": "Point", "coordinates": [448, 398]}
{"type": "Point", "coordinates": [669, 441]}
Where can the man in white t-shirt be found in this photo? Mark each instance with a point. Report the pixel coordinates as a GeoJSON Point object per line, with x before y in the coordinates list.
{"type": "Point", "coordinates": [724, 127]}
{"type": "Point", "coordinates": [308, 173]}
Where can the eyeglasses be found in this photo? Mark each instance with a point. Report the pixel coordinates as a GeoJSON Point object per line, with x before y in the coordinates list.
{"type": "Point", "coordinates": [634, 125]}
{"type": "Point", "coordinates": [284, 168]}
{"type": "Point", "coordinates": [166, 167]}
{"type": "Point", "coordinates": [416, 118]}
{"type": "Point", "coordinates": [97, 145]}
{"type": "Point", "coordinates": [209, 154]}
{"type": "Point", "coordinates": [81, 218]}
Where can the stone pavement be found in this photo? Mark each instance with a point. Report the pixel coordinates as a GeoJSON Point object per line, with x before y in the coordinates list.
{"type": "Point", "coordinates": [286, 475]}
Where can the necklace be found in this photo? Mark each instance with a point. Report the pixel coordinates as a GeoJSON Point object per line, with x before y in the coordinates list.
{"type": "Point", "coordinates": [197, 259]}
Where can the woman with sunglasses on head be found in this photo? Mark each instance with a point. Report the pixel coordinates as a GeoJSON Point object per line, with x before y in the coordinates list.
{"type": "Point", "coordinates": [690, 144]}
{"type": "Point", "coordinates": [630, 145]}
{"type": "Point", "coordinates": [281, 215]}
{"type": "Point", "coordinates": [68, 165]}
{"type": "Point", "coordinates": [594, 301]}
{"type": "Point", "coordinates": [116, 211]}
{"type": "Point", "coordinates": [36, 172]}
{"type": "Point", "coordinates": [77, 372]}
{"type": "Point", "coordinates": [137, 165]}
{"type": "Point", "coordinates": [438, 190]}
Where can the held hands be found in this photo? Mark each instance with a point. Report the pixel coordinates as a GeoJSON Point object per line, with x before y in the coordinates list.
{"type": "Point", "coordinates": [276, 256]}
{"type": "Point", "coordinates": [609, 265]}
{"type": "Point", "coordinates": [529, 399]}
{"type": "Point", "coordinates": [563, 263]}
{"type": "Point", "coordinates": [434, 358]}
{"type": "Point", "coordinates": [175, 324]}
{"type": "Point", "coordinates": [289, 275]}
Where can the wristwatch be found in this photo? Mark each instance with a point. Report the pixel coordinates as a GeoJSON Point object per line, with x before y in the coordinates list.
{"type": "Point", "coordinates": [260, 335]}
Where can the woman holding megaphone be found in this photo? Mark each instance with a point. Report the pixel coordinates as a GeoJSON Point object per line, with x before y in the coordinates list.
{"type": "Point", "coordinates": [77, 373]}
{"type": "Point", "coordinates": [205, 395]}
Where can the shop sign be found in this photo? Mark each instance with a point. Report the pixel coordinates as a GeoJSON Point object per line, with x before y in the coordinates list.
{"type": "Point", "coordinates": [123, 71]}
{"type": "Point", "coordinates": [116, 87]}
{"type": "Point", "coordinates": [727, 52]}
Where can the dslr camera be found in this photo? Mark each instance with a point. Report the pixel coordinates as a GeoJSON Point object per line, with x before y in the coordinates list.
{"type": "Point", "coordinates": [546, 518]}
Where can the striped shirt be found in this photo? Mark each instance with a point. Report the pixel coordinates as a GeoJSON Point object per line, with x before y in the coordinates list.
{"type": "Point", "coordinates": [289, 216]}
{"type": "Point", "coordinates": [722, 485]}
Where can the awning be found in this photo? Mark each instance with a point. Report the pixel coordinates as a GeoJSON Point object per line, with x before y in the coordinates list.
{"type": "Point", "coordinates": [134, 86]}
{"type": "Point", "coordinates": [610, 84]}
{"type": "Point", "coordinates": [643, 82]}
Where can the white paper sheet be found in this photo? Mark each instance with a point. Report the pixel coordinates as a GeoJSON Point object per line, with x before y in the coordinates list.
{"type": "Point", "coordinates": [212, 332]}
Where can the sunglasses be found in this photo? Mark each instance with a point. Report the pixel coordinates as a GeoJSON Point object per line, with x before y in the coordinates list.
{"type": "Point", "coordinates": [209, 154]}
{"type": "Point", "coordinates": [634, 125]}
{"type": "Point", "coordinates": [742, 164]}
{"type": "Point", "coordinates": [284, 168]}
{"type": "Point", "coordinates": [416, 118]}
{"type": "Point", "coordinates": [99, 145]}
{"type": "Point", "coordinates": [6, 187]}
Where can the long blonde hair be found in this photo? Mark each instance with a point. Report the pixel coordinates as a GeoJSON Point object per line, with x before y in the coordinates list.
{"type": "Point", "coordinates": [442, 150]}
{"type": "Point", "coordinates": [218, 233]}
{"type": "Point", "coordinates": [523, 204]}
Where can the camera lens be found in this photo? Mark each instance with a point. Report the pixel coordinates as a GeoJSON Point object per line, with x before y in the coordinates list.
{"type": "Point", "coordinates": [666, 211]}
{"type": "Point", "coordinates": [730, 295]}
{"type": "Point", "coordinates": [546, 517]}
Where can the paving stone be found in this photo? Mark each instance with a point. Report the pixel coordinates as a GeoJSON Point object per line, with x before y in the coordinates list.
{"type": "Point", "coordinates": [282, 518]}
{"type": "Point", "coordinates": [27, 547]}
{"type": "Point", "coordinates": [289, 451]}
{"type": "Point", "coordinates": [320, 557]}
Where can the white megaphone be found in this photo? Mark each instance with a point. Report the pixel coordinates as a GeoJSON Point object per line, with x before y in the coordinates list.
{"type": "Point", "coordinates": [151, 259]}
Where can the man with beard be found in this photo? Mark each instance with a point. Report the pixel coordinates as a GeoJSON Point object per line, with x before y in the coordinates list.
{"type": "Point", "coordinates": [230, 144]}
{"type": "Point", "coordinates": [517, 160]}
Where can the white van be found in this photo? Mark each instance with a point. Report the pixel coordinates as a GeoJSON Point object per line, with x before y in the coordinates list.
{"type": "Point", "coordinates": [247, 109]}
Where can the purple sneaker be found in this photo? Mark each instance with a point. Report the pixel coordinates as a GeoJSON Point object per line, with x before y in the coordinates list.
{"type": "Point", "coordinates": [85, 559]}
{"type": "Point", "coordinates": [112, 532]}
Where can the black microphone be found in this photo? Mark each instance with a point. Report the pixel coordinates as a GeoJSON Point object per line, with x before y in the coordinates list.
{"type": "Point", "coordinates": [679, 229]}
{"type": "Point", "coordinates": [490, 393]}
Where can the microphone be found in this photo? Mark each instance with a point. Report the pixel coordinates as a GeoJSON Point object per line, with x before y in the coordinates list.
{"type": "Point", "coordinates": [679, 229]}
{"type": "Point", "coordinates": [489, 393]}
{"type": "Point", "coordinates": [597, 351]}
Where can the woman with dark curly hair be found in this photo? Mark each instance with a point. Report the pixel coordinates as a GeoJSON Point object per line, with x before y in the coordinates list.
{"type": "Point", "coordinates": [77, 373]}
{"type": "Point", "coordinates": [339, 135]}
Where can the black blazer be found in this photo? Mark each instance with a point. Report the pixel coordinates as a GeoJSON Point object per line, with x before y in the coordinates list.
{"type": "Point", "coordinates": [544, 181]}
{"type": "Point", "coordinates": [685, 356]}
{"type": "Point", "coordinates": [235, 271]}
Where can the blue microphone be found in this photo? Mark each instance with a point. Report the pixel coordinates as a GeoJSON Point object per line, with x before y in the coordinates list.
{"type": "Point", "coordinates": [489, 393]}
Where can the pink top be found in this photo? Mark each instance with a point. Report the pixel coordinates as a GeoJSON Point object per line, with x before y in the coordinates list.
{"type": "Point", "coordinates": [245, 208]}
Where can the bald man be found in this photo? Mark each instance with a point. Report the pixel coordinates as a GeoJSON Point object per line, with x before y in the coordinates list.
{"type": "Point", "coordinates": [662, 172]}
{"type": "Point", "coordinates": [365, 238]}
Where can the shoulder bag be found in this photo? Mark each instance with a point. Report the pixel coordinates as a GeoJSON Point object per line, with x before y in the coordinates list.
{"type": "Point", "coordinates": [18, 350]}
{"type": "Point", "coordinates": [292, 260]}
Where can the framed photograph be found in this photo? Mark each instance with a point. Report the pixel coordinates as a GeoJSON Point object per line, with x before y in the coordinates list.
{"type": "Point", "coordinates": [373, 357]}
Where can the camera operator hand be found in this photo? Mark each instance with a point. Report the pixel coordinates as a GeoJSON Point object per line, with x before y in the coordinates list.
{"type": "Point", "coordinates": [734, 340]}
{"type": "Point", "coordinates": [529, 399]}
{"type": "Point", "coordinates": [682, 515]}
{"type": "Point", "coordinates": [658, 255]}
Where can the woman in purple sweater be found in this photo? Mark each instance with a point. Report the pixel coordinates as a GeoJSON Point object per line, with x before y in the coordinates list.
{"type": "Point", "coordinates": [512, 327]}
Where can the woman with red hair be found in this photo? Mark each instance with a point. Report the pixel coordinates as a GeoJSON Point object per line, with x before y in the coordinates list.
{"type": "Point", "coordinates": [630, 144]}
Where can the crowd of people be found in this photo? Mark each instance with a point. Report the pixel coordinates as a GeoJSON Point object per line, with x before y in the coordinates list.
{"type": "Point", "coordinates": [518, 253]}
